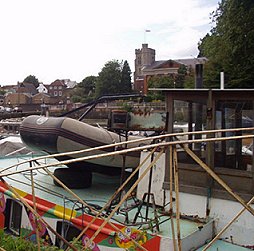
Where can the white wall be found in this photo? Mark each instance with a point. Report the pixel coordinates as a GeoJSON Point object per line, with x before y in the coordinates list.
{"type": "Point", "coordinates": [222, 211]}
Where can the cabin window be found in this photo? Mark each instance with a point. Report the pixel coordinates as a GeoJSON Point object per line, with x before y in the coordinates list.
{"type": "Point", "coordinates": [68, 231]}
{"type": "Point", "coordinates": [13, 216]}
{"type": "Point", "coordinates": [230, 158]}
{"type": "Point", "coordinates": [235, 154]}
{"type": "Point", "coordinates": [120, 118]}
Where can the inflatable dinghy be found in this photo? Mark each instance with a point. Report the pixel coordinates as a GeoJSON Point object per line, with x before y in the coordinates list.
{"type": "Point", "coordinates": [63, 134]}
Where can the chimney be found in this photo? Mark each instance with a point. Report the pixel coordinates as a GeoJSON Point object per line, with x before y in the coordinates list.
{"type": "Point", "coordinates": [198, 76]}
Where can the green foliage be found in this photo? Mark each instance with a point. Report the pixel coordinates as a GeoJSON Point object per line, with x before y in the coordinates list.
{"type": "Point", "coordinates": [32, 80]}
{"type": "Point", "coordinates": [183, 79]}
{"type": "Point", "coordinates": [11, 243]}
{"type": "Point", "coordinates": [189, 79]}
{"type": "Point", "coordinates": [109, 79]}
{"type": "Point", "coordinates": [126, 78]}
{"type": "Point", "coordinates": [230, 45]}
{"type": "Point", "coordinates": [127, 107]}
{"type": "Point", "coordinates": [75, 97]}
{"type": "Point", "coordinates": [88, 85]}
{"type": "Point", "coordinates": [160, 82]}
{"type": "Point", "coordinates": [114, 78]}
{"type": "Point", "coordinates": [85, 90]}
{"type": "Point", "coordinates": [2, 92]}
{"type": "Point", "coordinates": [180, 78]}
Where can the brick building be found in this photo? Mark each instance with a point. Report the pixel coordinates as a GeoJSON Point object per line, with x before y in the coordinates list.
{"type": "Point", "coordinates": [146, 66]}
{"type": "Point", "coordinates": [26, 95]}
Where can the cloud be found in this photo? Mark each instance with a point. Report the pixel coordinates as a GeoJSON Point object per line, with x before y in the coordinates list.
{"type": "Point", "coordinates": [75, 38]}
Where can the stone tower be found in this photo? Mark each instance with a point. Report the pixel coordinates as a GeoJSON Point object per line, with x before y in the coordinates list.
{"type": "Point", "coordinates": [144, 58]}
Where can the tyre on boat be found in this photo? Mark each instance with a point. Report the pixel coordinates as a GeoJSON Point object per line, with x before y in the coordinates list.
{"type": "Point", "coordinates": [73, 178]}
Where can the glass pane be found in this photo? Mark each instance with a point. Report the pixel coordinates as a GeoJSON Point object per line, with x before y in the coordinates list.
{"type": "Point", "coordinates": [15, 217]}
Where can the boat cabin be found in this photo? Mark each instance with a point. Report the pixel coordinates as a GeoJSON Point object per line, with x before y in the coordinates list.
{"type": "Point", "coordinates": [213, 109]}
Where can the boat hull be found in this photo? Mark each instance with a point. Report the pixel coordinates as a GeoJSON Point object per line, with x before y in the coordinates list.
{"type": "Point", "coordinates": [66, 222]}
{"type": "Point", "coordinates": [62, 134]}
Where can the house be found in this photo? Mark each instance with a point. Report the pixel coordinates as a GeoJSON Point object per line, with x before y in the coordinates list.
{"type": "Point", "coordinates": [21, 96]}
{"type": "Point", "coordinates": [61, 90]}
{"type": "Point", "coordinates": [41, 98]}
{"type": "Point", "coordinates": [56, 89]}
{"type": "Point", "coordinates": [18, 99]}
{"type": "Point", "coordinates": [69, 84]}
{"type": "Point", "coordinates": [28, 88]}
{"type": "Point", "coordinates": [42, 88]}
{"type": "Point", "coordinates": [146, 66]}
{"type": "Point", "coordinates": [56, 95]}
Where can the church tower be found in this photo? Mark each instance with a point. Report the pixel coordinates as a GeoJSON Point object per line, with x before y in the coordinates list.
{"type": "Point", "coordinates": [144, 58]}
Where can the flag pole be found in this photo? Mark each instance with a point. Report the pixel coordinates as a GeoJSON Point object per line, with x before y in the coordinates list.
{"type": "Point", "coordinates": [145, 35]}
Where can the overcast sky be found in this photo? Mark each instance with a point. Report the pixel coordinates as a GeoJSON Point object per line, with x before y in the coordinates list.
{"type": "Point", "coordinates": [73, 39]}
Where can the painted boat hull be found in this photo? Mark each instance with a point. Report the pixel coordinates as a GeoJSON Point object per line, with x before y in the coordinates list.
{"type": "Point", "coordinates": [69, 221]}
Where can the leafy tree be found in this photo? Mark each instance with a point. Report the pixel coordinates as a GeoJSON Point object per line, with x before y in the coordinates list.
{"type": "Point", "coordinates": [88, 84]}
{"type": "Point", "coordinates": [114, 78]}
{"type": "Point", "coordinates": [183, 79]}
{"type": "Point", "coordinates": [160, 82]}
{"type": "Point", "coordinates": [32, 80]}
{"type": "Point", "coordinates": [126, 78]}
{"type": "Point", "coordinates": [180, 77]}
{"type": "Point", "coordinates": [85, 90]}
{"type": "Point", "coordinates": [109, 79]}
{"type": "Point", "coordinates": [230, 45]}
{"type": "Point", "coordinates": [189, 79]}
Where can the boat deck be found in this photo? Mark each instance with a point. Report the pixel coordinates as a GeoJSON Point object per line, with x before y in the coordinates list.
{"type": "Point", "coordinates": [194, 233]}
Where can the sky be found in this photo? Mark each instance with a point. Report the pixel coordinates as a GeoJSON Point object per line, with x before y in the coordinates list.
{"type": "Point", "coordinates": [73, 39]}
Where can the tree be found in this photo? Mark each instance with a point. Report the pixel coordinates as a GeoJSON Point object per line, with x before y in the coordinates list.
{"type": "Point", "coordinates": [32, 80]}
{"type": "Point", "coordinates": [189, 79]}
{"type": "Point", "coordinates": [230, 45]}
{"type": "Point", "coordinates": [114, 78]}
{"type": "Point", "coordinates": [85, 90]}
{"type": "Point", "coordinates": [109, 79]}
{"type": "Point", "coordinates": [183, 79]}
{"type": "Point", "coordinates": [180, 77]}
{"type": "Point", "coordinates": [126, 78]}
{"type": "Point", "coordinates": [88, 84]}
{"type": "Point", "coordinates": [160, 82]}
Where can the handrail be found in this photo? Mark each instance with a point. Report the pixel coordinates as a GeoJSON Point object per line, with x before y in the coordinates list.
{"type": "Point", "coordinates": [141, 140]}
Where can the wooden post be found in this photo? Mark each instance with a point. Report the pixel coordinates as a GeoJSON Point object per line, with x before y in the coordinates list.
{"type": "Point", "coordinates": [210, 118]}
{"type": "Point", "coordinates": [176, 179]}
{"type": "Point", "coordinates": [171, 195]}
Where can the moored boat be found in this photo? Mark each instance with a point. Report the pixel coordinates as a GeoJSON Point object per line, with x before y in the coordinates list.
{"type": "Point", "coordinates": [33, 208]}
{"type": "Point", "coordinates": [63, 134]}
